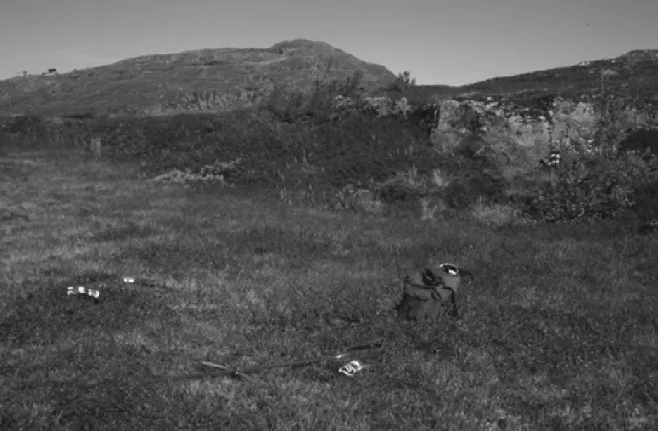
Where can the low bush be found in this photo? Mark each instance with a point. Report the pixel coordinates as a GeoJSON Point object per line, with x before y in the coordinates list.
{"type": "Point", "coordinates": [597, 188]}
{"type": "Point", "coordinates": [497, 215]}
{"type": "Point", "coordinates": [640, 141]}
{"type": "Point", "coordinates": [645, 198]}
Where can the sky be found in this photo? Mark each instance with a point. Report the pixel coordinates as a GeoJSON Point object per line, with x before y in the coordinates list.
{"type": "Point", "coordinates": [451, 42]}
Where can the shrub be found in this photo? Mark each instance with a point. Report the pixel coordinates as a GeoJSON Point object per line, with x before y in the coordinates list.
{"type": "Point", "coordinates": [645, 197]}
{"type": "Point", "coordinates": [640, 141]}
{"type": "Point", "coordinates": [316, 101]}
{"type": "Point", "coordinates": [471, 179]}
{"type": "Point", "coordinates": [494, 214]}
{"type": "Point", "coordinates": [591, 189]}
{"type": "Point", "coordinates": [288, 105]}
{"type": "Point", "coordinates": [214, 172]}
{"type": "Point", "coordinates": [410, 184]}
{"type": "Point", "coordinates": [350, 197]}
{"type": "Point", "coordinates": [403, 82]}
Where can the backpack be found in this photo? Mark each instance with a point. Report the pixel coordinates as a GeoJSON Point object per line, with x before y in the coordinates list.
{"type": "Point", "coordinates": [429, 294]}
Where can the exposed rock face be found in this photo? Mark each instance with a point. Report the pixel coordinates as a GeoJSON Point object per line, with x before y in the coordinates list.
{"type": "Point", "coordinates": [534, 126]}
{"type": "Point", "coordinates": [524, 126]}
{"type": "Point", "coordinates": [547, 123]}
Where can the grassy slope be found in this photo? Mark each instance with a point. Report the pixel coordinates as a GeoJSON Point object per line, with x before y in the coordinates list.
{"type": "Point", "coordinates": [242, 77]}
{"type": "Point", "coordinates": [137, 84]}
{"type": "Point", "coordinates": [635, 76]}
{"type": "Point", "coordinates": [558, 331]}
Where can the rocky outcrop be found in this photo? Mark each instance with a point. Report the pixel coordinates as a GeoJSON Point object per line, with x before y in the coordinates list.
{"type": "Point", "coordinates": [205, 101]}
{"type": "Point", "coordinates": [541, 124]}
{"type": "Point", "coordinates": [535, 125]}
{"type": "Point", "coordinates": [520, 125]}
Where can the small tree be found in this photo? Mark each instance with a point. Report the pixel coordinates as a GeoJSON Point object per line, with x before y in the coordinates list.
{"type": "Point", "coordinates": [610, 109]}
{"type": "Point", "coordinates": [403, 82]}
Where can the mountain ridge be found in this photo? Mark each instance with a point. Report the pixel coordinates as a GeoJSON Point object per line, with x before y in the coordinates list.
{"type": "Point", "coordinates": [224, 79]}
{"type": "Point", "coordinates": [634, 72]}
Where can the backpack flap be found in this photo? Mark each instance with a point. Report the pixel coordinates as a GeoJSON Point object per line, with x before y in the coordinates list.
{"type": "Point", "coordinates": [422, 301]}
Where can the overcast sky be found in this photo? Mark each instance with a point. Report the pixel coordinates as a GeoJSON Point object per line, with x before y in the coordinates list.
{"type": "Point", "coordinates": [440, 41]}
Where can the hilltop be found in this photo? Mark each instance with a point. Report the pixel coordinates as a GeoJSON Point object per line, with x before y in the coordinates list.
{"type": "Point", "coordinates": [200, 80]}
{"type": "Point", "coordinates": [632, 74]}
{"type": "Point", "coordinates": [226, 79]}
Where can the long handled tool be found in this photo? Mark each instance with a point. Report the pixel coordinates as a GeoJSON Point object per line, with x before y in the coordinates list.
{"type": "Point", "coordinates": [238, 372]}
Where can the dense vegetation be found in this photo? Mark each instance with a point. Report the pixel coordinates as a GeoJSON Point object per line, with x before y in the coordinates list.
{"type": "Point", "coordinates": [300, 140]}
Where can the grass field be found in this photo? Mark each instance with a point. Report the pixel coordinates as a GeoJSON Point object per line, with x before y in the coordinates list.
{"type": "Point", "coordinates": [558, 331]}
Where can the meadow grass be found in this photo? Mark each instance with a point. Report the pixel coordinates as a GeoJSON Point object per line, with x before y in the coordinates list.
{"type": "Point", "coordinates": [558, 331]}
